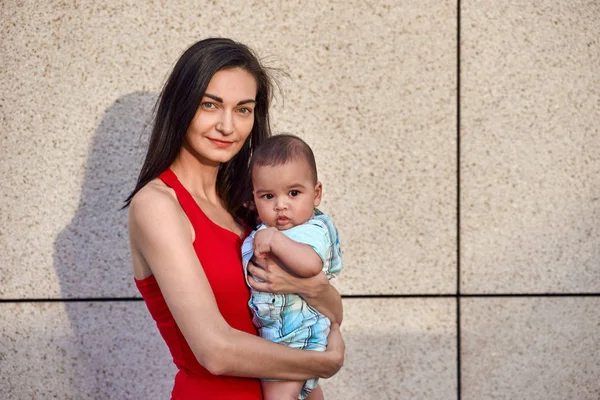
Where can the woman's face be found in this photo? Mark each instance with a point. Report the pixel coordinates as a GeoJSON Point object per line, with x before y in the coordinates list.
{"type": "Point", "coordinates": [225, 117]}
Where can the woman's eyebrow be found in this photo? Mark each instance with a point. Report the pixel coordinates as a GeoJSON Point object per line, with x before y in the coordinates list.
{"type": "Point", "coordinates": [220, 100]}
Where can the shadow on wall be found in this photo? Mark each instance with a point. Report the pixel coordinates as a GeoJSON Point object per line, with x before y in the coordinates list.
{"type": "Point", "coordinates": [91, 254]}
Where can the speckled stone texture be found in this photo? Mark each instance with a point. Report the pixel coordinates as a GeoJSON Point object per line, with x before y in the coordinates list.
{"type": "Point", "coordinates": [397, 349]}
{"type": "Point", "coordinates": [530, 348]}
{"type": "Point", "coordinates": [82, 351]}
{"type": "Point", "coordinates": [370, 86]}
{"type": "Point", "coordinates": [530, 147]}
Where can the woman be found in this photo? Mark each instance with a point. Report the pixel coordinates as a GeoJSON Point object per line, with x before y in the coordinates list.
{"type": "Point", "coordinates": [186, 223]}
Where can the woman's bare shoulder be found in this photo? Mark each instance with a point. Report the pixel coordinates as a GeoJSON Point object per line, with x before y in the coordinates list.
{"type": "Point", "coordinates": [154, 194]}
{"type": "Point", "coordinates": [153, 191]}
{"type": "Point", "coordinates": [155, 202]}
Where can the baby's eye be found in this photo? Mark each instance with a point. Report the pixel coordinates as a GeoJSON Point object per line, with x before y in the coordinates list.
{"type": "Point", "coordinates": [294, 193]}
{"type": "Point", "coordinates": [267, 196]}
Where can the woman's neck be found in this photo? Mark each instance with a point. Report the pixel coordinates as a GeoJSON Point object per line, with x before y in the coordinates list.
{"type": "Point", "coordinates": [198, 176]}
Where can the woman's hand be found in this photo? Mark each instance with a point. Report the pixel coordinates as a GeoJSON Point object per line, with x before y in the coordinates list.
{"type": "Point", "coordinates": [315, 290]}
{"type": "Point", "coordinates": [278, 280]}
{"type": "Point", "coordinates": [336, 348]}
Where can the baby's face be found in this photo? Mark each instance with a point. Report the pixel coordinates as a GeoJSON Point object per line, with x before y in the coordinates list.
{"type": "Point", "coordinates": [285, 195]}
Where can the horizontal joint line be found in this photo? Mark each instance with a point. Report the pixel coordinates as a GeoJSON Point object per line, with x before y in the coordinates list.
{"type": "Point", "coordinates": [347, 296]}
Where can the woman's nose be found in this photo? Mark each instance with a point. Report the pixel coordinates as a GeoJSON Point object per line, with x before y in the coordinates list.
{"type": "Point", "coordinates": [225, 125]}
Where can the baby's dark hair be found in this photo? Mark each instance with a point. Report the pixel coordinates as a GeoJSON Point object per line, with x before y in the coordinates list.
{"type": "Point", "coordinates": [280, 149]}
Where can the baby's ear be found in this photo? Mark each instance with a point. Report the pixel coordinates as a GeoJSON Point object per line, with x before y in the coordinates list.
{"type": "Point", "coordinates": [318, 193]}
{"type": "Point", "coordinates": [249, 205]}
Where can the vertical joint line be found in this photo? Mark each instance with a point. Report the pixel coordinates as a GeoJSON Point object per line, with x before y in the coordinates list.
{"type": "Point", "coordinates": [458, 344]}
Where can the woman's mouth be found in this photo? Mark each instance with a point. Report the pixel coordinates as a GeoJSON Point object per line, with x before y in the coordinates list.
{"type": "Point", "coordinates": [220, 143]}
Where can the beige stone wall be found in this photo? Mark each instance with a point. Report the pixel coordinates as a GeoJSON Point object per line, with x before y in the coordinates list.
{"type": "Point", "coordinates": [372, 86]}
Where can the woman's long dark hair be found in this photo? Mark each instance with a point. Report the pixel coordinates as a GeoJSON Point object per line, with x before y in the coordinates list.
{"type": "Point", "coordinates": [178, 103]}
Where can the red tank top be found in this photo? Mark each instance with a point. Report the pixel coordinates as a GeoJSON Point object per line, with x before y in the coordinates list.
{"type": "Point", "coordinates": [218, 250]}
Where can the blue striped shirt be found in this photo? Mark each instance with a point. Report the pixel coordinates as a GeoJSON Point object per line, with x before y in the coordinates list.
{"type": "Point", "coordinates": [287, 318]}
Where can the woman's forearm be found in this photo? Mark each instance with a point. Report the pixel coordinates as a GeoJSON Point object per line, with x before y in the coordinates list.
{"type": "Point", "coordinates": [328, 301]}
{"type": "Point", "coordinates": [240, 354]}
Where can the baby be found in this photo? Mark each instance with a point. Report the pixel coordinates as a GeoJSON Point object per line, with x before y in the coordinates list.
{"type": "Point", "coordinates": [286, 192]}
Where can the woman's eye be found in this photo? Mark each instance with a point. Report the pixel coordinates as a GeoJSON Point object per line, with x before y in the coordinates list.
{"type": "Point", "coordinates": [207, 105]}
{"type": "Point", "coordinates": [245, 110]}
{"type": "Point", "coordinates": [294, 193]}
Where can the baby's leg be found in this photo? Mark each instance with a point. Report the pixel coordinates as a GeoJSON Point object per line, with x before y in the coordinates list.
{"type": "Point", "coordinates": [316, 394]}
{"type": "Point", "coordinates": [281, 390]}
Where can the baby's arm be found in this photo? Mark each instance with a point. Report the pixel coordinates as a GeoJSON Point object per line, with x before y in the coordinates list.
{"type": "Point", "coordinates": [301, 259]}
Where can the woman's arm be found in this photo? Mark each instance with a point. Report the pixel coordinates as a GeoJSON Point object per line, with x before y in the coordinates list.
{"type": "Point", "coordinates": [317, 291]}
{"type": "Point", "coordinates": [162, 237]}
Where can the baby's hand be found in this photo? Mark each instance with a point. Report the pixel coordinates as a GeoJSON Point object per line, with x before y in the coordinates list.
{"type": "Point", "coordinates": [262, 241]}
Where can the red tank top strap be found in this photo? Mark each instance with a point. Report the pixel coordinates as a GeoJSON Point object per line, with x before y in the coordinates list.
{"type": "Point", "coordinates": [192, 209]}
{"type": "Point", "coordinates": [187, 202]}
